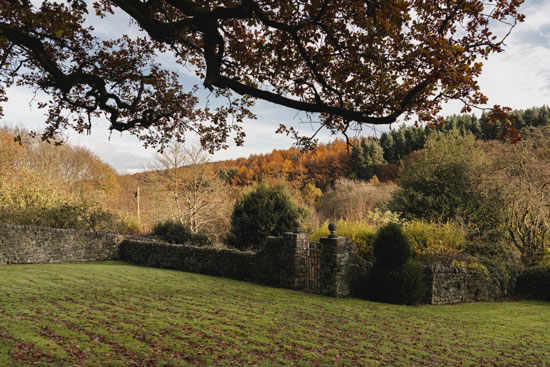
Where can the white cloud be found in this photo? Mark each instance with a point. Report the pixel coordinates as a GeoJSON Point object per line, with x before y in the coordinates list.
{"type": "Point", "coordinates": [519, 77]}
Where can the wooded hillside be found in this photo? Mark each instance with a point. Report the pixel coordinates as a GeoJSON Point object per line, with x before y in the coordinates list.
{"type": "Point", "coordinates": [70, 182]}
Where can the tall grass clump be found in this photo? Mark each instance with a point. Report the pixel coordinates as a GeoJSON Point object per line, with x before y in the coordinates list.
{"type": "Point", "coordinates": [435, 242]}
{"type": "Point", "coordinates": [360, 232]}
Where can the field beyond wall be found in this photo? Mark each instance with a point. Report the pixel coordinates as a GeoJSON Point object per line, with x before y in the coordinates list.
{"type": "Point", "coordinates": [115, 314]}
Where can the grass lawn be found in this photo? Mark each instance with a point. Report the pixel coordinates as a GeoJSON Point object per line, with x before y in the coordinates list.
{"type": "Point", "coordinates": [115, 314]}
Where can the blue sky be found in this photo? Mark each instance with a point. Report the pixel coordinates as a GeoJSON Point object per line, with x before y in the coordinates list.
{"type": "Point", "coordinates": [518, 78]}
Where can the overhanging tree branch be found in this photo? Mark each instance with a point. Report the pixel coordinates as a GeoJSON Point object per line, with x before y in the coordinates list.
{"type": "Point", "coordinates": [353, 62]}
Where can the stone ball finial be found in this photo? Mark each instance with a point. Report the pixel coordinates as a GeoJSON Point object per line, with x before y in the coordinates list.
{"type": "Point", "coordinates": [332, 229]}
{"type": "Point", "coordinates": [297, 226]}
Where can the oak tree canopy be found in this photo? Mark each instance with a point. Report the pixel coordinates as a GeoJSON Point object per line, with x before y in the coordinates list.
{"type": "Point", "coordinates": [351, 62]}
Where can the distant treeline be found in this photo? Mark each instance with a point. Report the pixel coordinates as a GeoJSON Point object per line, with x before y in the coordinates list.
{"type": "Point", "coordinates": [401, 142]}
{"type": "Point", "coordinates": [369, 156]}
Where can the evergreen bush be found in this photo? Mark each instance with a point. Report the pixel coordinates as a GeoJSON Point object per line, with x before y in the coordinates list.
{"type": "Point", "coordinates": [400, 286]}
{"type": "Point", "coordinates": [392, 248]}
{"type": "Point", "coordinates": [395, 277]}
{"type": "Point", "coordinates": [446, 181]}
{"type": "Point", "coordinates": [176, 232]}
{"type": "Point", "coordinates": [263, 211]}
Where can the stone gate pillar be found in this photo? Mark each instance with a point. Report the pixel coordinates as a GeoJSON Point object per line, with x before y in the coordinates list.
{"type": "Point", "coordinates": [336, 257]}
{"type": "Point", "coordinates": [293, 273]}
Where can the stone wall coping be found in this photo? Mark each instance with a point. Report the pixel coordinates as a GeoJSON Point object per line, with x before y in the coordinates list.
{"type": "Point", "coordinates": [442, 268]}
{"type": "Point", "coordinates": [178, 245]}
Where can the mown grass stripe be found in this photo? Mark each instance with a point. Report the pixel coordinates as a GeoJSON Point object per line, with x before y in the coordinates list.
{"type": "Point", "coordinates": [116, 314]}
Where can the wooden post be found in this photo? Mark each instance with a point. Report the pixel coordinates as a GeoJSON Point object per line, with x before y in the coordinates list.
{"type": "Point", "coordinates": [137, 200]}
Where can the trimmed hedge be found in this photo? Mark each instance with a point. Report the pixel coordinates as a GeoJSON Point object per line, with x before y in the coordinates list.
{"type": "Point", "coordinates": [535, 283]}
{"type": "Point", "coordinates": [271, 265]}
{"type": "Point", "coordinates": [203, 260]}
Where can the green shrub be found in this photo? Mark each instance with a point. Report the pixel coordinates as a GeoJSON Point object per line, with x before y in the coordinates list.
{"type": "Point", "coordinates": [404, 285]}
{"type": "Point", "coordinates": [263, 211]}
{"type": "Point", "coordinates": [445, 181]}
{"type": "Point", "coordinates": [391, 246]}
{"type": "Point", "coordinates": [64, 216]}
{"type": "Point", "coordinates": [365, 245]}
{"type": "Point", "coordinates": [472, 266]}
{"type": "Point", "coordinates": [394, 278]}
{"type": "Point", "coordinates": [71, 215]}
{"type": "Point", "coordinates": [535, 283]}
{"type": "Point", "coordinates": [501, 259]}
{"type": "Point", "coordinates": [175, 232]}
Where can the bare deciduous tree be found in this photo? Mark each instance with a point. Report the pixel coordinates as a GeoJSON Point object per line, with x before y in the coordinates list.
{"type": "Point", "coordinates": [525, 169]}
{"type": "Point", "coordinates": [198, 197]}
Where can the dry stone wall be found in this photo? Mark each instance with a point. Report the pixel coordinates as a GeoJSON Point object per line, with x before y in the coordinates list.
{"type": "Point", "coordinates": [282, 262]}
{"type": "Point", "coordinates": [448, 284]}
{"type": "Point", "coordinates": [30, 244]}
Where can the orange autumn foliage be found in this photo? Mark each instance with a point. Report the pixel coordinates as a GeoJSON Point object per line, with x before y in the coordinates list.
{"type": "Point", "coordinates": [320, 167]}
